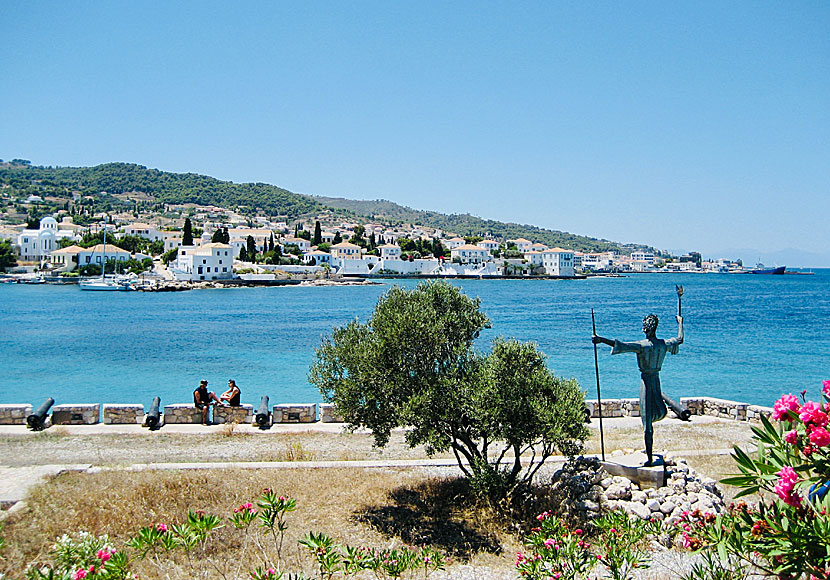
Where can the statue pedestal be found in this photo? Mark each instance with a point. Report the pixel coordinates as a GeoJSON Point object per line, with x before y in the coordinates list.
{"type": "Point", "coordinates": [631, 466]}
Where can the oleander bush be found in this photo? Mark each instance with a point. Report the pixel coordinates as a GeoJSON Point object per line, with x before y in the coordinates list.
{"type": "Point", "coordinates": [787, 533]}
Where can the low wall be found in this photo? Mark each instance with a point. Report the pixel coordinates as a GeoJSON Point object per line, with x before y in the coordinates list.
{"type": "Point", "coordinates": [88, 414]}
{"type": "Point", "coordinates": [711, 406]}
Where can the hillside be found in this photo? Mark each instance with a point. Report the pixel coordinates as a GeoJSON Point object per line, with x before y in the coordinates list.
{"type": "Point", "coordinates": [178, 188]}
{"type": "Point", "coordinates": [469, 225]}
{"type": "Point", "coordinates": [163, 186]}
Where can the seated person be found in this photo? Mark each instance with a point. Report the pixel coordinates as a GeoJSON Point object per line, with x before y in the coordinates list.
{"type": "Point", "coordinates": [203, 399]}
{"type": "Point", "coordinates": [232, 395]}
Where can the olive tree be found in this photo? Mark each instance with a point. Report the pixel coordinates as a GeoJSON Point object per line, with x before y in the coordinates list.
{"type": "Point", "coordinates": [413, 365]}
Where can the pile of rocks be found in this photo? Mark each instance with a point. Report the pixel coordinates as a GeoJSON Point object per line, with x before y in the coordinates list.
{"type": "Point", "coordinates": [584, 491]}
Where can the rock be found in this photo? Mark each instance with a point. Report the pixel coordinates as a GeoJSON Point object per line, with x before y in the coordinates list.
{"type": "Point", "coordinates": [653, 505]}
{"type": "Point", "coordinates": [667, 507]}
{"type": "Point", "coordinates": [606, 482]}
{"type": "Point", "coordinates": [638, 496]}
{"type": "Point", "coordinates": [587, 505]}
{"type": "Point", "coordinates": [618, 491]}
{"type": "Point", "coordinates": [637, 509]}
{"type": "Point", "coordinates": [657, 516]}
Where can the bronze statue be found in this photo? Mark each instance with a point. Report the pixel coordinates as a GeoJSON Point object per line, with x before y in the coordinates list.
{"type": "Point", "coordinates": [650, 355]}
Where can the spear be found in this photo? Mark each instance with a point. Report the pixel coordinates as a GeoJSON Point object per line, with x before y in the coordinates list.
{"type": "Point", "coordinates": [679, 290]}
{"type": "Point", "coordinates": [599, 397]}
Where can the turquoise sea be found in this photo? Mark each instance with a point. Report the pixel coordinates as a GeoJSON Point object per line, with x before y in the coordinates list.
{"type": "Point", "coordinates": [748, 338]}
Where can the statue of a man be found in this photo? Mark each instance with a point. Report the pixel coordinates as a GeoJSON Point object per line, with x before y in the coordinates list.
{"type": "Point", "coordinates": [650, 355]}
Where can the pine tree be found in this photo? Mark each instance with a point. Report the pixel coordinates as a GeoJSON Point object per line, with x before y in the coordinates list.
{"type": "Point", "coordinates": [318, 234]}
{"type": "Point", "coordinates": [337, 238]}
{"type": "Point", "coordinates": [243, 255]}
{"type": "Point", "coordinates": [216, 238]}
{"type": "Point", "coordinates": [226, 237]}
{"type": "Point", "coordinates": [271, 243]}
{"type": "Point", "coordinates": [187, 237]}
{"type": "Point", "coordinates": [251, 246]}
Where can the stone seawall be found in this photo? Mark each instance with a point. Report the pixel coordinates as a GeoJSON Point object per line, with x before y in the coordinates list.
{"type": "Point", "coordinates": [88, 414]}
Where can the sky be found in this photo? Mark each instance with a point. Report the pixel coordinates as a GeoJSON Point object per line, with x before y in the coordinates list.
{"type": "Point", "coordinates": [687, 126]}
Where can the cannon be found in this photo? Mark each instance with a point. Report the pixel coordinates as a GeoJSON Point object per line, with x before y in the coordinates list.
{"type": "Point", "coordinates": [37, 420]}
{"type": "Point", "coordinates": [262, 416]}
{"type": "Point", "coordinates": [153, 416]}
{"type": "Point", "coordinates": [682, 411]}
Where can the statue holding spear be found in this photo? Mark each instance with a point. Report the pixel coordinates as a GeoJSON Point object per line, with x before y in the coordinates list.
{"type": "Point", "coordinates": [650, 354]}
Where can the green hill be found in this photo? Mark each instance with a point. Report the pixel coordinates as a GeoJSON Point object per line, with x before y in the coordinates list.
{"type": "Point", "coordinates": [386, 211]}
{"type": "Point", "coordinates": [252, 198]}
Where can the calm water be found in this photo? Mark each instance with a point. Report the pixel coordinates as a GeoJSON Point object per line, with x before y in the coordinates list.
{"type": "Point", "coordinates": [748, 338]}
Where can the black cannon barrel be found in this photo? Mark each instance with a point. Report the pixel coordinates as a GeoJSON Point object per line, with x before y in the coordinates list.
{"type": "Point", "coordinates": [154, 416]}
{"type": "Point", "coordinates": [262, 416]}
{"type": "Point", "coordinates": [683, 413]}
{"type": "Point", "coordinates": [37, 419]}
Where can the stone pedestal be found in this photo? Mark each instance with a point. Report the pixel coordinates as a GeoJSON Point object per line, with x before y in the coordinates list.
{"type": "Point", "coordinates": [182, 413]}
{"type": "Point", "coordinates": [632, 467]}
{"type": "Point", "coordinates": [14, 414]}
{"type": "Point", "coordinates": [78, 414]}
{"type": "Point", "coordinates": [240, 414]}
{"type": "Point", "coordinates": [327, 414]}
{"type": "Point", "coordinates": [294, 413]}
{"type": "Point", "coordinates": [122, 414]}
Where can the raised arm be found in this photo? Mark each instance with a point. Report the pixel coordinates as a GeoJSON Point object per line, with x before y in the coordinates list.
{"type": "Point", "coordinates": [679, 329]}
{"type": "Point", "coordinates": [601, 340]}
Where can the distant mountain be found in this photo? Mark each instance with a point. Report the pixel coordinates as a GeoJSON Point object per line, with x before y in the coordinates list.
{"type": "Point", "coordinates": [469, 225]}
{"type": "Point", "coordinates": [180, 188]}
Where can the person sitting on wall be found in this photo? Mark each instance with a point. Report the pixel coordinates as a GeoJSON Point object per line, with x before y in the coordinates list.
{"type": "Point", "coordinates": [232, 396]}
{"type": "Point", "coordinates": [203, 399]}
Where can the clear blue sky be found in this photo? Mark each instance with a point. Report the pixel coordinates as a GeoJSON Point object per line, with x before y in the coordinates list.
{"type": "Point", "coordinates": [701, 125]}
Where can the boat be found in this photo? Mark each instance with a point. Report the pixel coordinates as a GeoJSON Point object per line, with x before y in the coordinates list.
{"type": "Point", "coordinates": [106, 283]}
{"type": "Point", "coordinates": [760, 269]}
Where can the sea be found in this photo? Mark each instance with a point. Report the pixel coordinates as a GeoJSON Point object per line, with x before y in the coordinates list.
{"type": "Point", "coordinates": [749, 338]}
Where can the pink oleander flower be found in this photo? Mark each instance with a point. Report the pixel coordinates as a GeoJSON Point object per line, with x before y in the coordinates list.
{"type": "Point", "coordinates": [103, 555]}
{"type": "Point", "coordinates": [549, 543]}
{"type": "Point", "coordinates": [825, 388]}
{"type": "Point", "coordinates": [270, 571]}
{"type": "Point", "coordinates": [820, 437]}
{"type": "Point", "coordinates": [791, 437]}
{"type": "Point", "coordinates": [786, 483]}
{"type": "Point", "coordinates": [92, 569]}
{"type": "Point", "coordinates": [782, 407]}
{"type": "Point", "coordinates": [161, 528]}
{"type": "Point", "coordinates": [79, 575]}
{"type": "Point", "coordinates": [812, 414]}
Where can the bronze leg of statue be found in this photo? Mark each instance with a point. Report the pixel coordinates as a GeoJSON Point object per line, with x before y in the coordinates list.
{"type": "Point", "coordinates": [649, 439]}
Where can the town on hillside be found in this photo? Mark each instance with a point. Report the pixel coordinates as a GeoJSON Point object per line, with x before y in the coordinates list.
{"type": "Point", "coordinates": [189, 242]}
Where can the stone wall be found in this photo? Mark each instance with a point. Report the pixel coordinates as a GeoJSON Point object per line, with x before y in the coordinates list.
{"type": "Point", "coordinates": [122, 414]}
{"type": "Point", "coordinates": [327, 414]}
{"type": "Point", "coordinates": [182, 413]}
{"type": "Point", "coordinates": [78, 414]}
{"type": "Point", "coordinates": [240, 414]}
{"type": "Point", "coordinates": [294, 413]}
{"type": "Point", "coordinates": [14, 414]}
{"type": "Point", "coordinates": [697, 405]}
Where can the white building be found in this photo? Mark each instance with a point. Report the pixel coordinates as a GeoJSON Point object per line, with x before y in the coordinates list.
{"type": "Point", "coordinates": [65, 259]}
{"type": "Point", "coordinates": [212, 261]}
{"type": "Point", "coordinates": [488, 245]}
{"type": "Point", "coordinates": [454, 243]}
{"type": "Point", "coordinates": [558, 262]}
{"type": "Point", "coordinates": [301, 243]}
{"type": "Point", "coordinates": [319, 257]}
{"type": "Point", "coordinates": [172, 241]}
{"type": "Point", "coordinates": [390, 252]}
{"type": "Point", "coordinates": [145, 231]}
{"type": "Point", "coordinates": [643, 257]}
{"type": "Point", "coordinates": [522, 244]}
{"type": "Point", "coordinates": [470, 254]}
{"type": "Point", "coordinates": [40, 243]}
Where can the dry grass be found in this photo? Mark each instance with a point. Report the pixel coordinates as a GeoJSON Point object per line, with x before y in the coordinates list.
{"type": "Point", "coordinates": [375, 508]}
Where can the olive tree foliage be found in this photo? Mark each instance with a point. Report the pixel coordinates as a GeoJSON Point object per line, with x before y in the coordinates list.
{"type": "Point", "coordinates": [413, 365]}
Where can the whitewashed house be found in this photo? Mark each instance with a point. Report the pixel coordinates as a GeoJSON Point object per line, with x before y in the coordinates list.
{"type": "Point", "coordinates": [469, 254]}
{"type": "Point", "coordinates": [65, 259]}
{"type": "Point", "coordinates": [534, 259]}
{"type": "Point", "coordinates": [145, 231]}
{"type": "Point", "coordinates": [302, 243]}
{"type": "Point", "coordinates": [538, 247]}
{"type": "Point", "coordinates": [488, 245]}
{"type": "Point", "coordinates": [558, 262]}
{"type": "Point", "coordinates": [40, 243]}
{"type": "Point", "coordinates": [522, 244]}
{"type": "Point", "coordinates": [172, 241]}
{"type": "Point", "coordinates": [454, 243]}
{"type": "Point", "coordinates": [390, 252]}
{"type": "Point", "coordinates": [318, 257]}
{"type": "Point", "coordinates": [212, 261]}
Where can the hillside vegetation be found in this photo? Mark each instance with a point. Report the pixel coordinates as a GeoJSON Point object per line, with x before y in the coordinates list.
{"type": "Point", "coordinates": [251, 198]}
